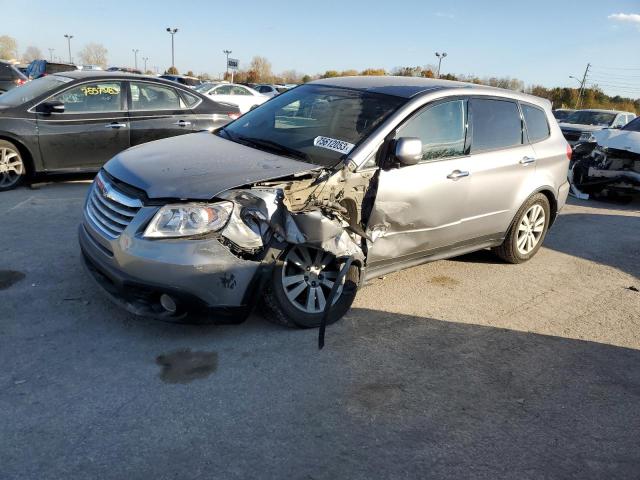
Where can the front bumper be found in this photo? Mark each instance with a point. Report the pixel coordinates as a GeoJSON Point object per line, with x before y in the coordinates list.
{"type": "Point", "coordinates": [199, 274]}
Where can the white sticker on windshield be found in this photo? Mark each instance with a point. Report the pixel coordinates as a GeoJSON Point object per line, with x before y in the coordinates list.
{"type": "Point", "coordinates": [333, 144]}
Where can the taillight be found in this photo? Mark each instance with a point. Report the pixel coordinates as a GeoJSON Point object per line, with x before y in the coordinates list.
{"type": "Point", "coordinates": [20, 81]}
{"type": "Point", "coordinates": [233, 116]}
{"type": "Point", "coordinates": [569, 152]}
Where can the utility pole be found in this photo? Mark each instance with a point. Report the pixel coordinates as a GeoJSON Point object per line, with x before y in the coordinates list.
{"type": "Point", "coordinates": [227, 53]}
{"type": "Point", "coordinates": [144, 59]}
{"type": "Point", "coordinates": [582, 85]}
{"type": "Point", "coordinates": [69, 37]}
{"type": "Point", "coordinates": [173, 32]}
{"type": "Point", "coordinates": [135, 57]}
{"type": "Point", "coordinates": [51, 50]}
{"type": "Point", "coordinates": [440, 57]}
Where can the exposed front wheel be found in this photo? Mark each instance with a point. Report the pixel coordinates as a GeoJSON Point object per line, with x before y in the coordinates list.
{"type": "Point", "coordinates": [12, 168]}
{"type": "Point", "coordinates": [527, 231]}
{"type": "Point", "coordinates": [300, 288]}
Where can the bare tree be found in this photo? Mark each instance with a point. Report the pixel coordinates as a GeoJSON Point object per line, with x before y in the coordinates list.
{"type": "Point", "coordinates": [261, 68]}
{"type": "Point", "coordinates": [8, 47]}
{"type": "Point", "coordinates": [94, 54]}
{"type": "Point", "coordinates": [31, 53]}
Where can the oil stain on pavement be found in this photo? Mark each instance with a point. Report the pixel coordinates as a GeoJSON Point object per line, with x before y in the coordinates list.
{"type": "Point", "coordinates": [184, 366]}
{"type": "Point", "coordinates": [9, 277]}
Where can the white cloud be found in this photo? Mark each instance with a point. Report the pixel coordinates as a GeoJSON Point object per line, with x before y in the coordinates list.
{"type": "Point", "coordinates": [625, 17]}
{"type": "Point", "coordinates": [443, 15]}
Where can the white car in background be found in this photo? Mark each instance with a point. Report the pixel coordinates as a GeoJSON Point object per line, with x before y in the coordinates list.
{"type": "Point", "coordinates": [243, 97]}
{"type": "Point", "coordinates": [271, 90]}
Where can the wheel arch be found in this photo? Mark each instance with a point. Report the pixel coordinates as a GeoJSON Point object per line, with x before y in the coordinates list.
{"type": "Point", "coordinates": [27, 156]}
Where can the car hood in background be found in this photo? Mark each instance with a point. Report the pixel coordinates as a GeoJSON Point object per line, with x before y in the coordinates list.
{"type": "Point", "coordinates": [198, 166]}
{"type": "Point", "coordinates": [576, 127]}
{"type": "Point", "coordinates": [619, 139]}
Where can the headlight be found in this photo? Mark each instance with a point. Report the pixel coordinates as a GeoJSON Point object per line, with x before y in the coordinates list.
{"type": "Point", "coordinates": [587, 137]}
{"type": "Point", "coordinates": [185, 220]}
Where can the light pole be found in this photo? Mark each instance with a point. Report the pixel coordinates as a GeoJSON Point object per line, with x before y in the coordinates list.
{"type": "Point", "coordinates": [144, 59]}
{"type": "Point", "coordinates": [135, 57]}
{"type": "Point", "coordinates": [172, 31]}
{"type": "Point", "coordinates": [69, 37]}
{"type": "Point", "coordinates": [227, 53]}
{"type": "Point", "coordinates": [51, 50]}
{"type": "Point", "coordinates": [440, 57]}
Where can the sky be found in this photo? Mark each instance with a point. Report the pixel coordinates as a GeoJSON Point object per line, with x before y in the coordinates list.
{"type": "Point", "coordinates": [540, 42]}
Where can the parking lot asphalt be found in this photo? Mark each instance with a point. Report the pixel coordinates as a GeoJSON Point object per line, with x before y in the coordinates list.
{"type": "Point", "coordinates": [465, 368]}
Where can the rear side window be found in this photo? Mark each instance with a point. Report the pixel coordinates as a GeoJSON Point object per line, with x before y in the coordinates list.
{"type": "Point", "coordinates": [495, 124]}
{"type": "Point", "coordinates": [146, 96]}
{"type": "Point", "coordinates": [536, 122]}
{"type": "Point", "coordinates": [442, 129]}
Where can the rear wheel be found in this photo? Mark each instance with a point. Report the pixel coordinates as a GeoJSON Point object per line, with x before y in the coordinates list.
{"type": "Point", "coordinates": [12, 168]}
{"type": "Point", "coordinates": [527, 231]}
{"type": "Point", "coordinates": [300, 286]}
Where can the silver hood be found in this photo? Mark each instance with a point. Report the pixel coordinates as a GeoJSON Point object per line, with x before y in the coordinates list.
{"type": "Point", "coordinates": [198, 166]}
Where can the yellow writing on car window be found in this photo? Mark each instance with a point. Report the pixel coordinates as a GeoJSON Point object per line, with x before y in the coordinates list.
{"type": "Point", "coordinates": [100, 89]}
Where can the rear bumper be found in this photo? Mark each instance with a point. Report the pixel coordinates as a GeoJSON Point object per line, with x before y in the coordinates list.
{"type": "Point", "coordinates": [200, 275]}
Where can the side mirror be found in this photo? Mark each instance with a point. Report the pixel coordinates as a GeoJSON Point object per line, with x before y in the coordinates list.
{"type": "Point", "coordinates": [408, 150]}
{"type": "Point", "coordinates": [51, 107]}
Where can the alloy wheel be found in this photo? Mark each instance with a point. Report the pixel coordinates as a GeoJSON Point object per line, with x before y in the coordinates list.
{"type": "Point", "coordinates": [11, 167]}
{"type": "Point", "coordinates": [530, 229]}
{"type": "Point", "coordinates": [308, 274]}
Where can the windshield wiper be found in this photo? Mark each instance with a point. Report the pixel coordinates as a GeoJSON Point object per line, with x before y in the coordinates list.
{"type": "Point", "coordinates": [273, 146]}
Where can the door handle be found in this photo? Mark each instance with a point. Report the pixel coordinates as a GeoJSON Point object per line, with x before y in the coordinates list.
{"type": "Point", "coordinates": [116, 125]}
{"type": "Point", "coordinates": [527, 160]}
{"type": "Point", "coordinates": [182, 123]}
{"type": "Point", "coordinates": [456, 174]}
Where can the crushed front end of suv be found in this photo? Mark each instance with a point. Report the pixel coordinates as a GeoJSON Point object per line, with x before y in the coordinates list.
{"type": "Point", "coordinates": [611, 162]}
{"type": "Point", "coordinates": [301, 200]}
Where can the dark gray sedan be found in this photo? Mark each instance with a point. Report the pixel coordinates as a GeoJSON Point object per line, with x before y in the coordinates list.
{"type": "Point", "coordinates": [76, 121]}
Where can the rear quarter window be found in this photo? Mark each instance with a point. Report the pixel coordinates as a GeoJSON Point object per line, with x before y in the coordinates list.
{"type": "Point", "coordinates": [536, 121]}
{"type": "Point", "coordinates": [495, 124]}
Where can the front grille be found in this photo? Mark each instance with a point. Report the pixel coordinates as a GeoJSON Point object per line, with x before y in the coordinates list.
{"type": "Point", "coordinates": [109, 209]}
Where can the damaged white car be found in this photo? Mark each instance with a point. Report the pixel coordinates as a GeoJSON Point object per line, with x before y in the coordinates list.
{"type": "Point", "coordinates": [300, 201]}
{"type": "Point", "coordinates": [610, 161]}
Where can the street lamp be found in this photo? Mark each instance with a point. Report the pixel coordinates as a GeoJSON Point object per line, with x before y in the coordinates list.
{"type": "Point", "coordinates": [69, 37]}
{"type": "Point", "coordinates": [440, 57]}
{"type": "Point", "coordinates": [227, 53]}
{"type": "Point", "coordinates": [172, 31]}
{"type": "Point", "coordinates": [135, 57]}
{"type": "Point", "coordinates": [144, 59]}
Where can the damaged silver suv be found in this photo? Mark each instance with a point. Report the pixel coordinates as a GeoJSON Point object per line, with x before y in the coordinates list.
{"type": "Point", "coordinates": [300, 201]}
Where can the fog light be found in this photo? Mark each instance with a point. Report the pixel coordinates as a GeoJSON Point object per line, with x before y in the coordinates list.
{"type": "Point", "coordinates": [168, 303]}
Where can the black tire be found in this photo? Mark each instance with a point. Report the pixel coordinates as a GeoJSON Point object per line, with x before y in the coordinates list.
{"type": "Point", "coordinates": [10, 180]}
{"type": "Point", "coordinates": [509, 251]}
{"type": "Point", "coordinates": [278, 309]}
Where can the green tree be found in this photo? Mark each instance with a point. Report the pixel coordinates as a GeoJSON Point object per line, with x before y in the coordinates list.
{"type": "Point", "coordinates": [172, 71]}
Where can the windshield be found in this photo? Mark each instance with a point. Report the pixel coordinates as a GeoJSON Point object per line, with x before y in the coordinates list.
{"type": "Point", "coordinates": [633, 125]}
{"type": "Point", "coordinates": [31, 90]}
{"type": "Point", "coordinates": [317, 123]}
{"type": "Point", "coordinates": [601, 119]}
{"type": "Point", "coordinates": [561, 114]}
{"type": "Point", "coordinates": [204, 87]}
